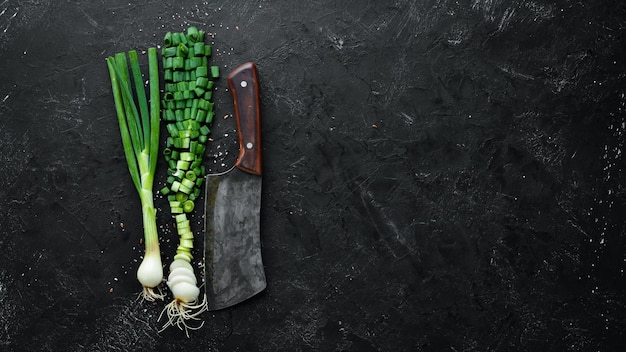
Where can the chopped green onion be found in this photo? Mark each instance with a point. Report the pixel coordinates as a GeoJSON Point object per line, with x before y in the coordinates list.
{"type": "Point", "coordinates": [167, 40]}
{"type": "Point", "coordinates": [178, 174]}
{"type": "Point", "coordinates": [215, 71]}
{"type": "Point", "coordinates": [198, 47]}
{"type": "Point", "coordinates": [182, 165]}
{"type": "Point", "coordinates": [189, 110]}
{"type": "Point", "coordinates": [202, 82]}
{"type": "Point", "coordinates": [193, 34]}
{"type": "Point", "coordinates": [187, 235]}
{"type": "Point", "coordinates": [187, 243]}
{"type": "Point", "coordinates": [169, 51]}
{"type": "Point", "coordinates": [181, 197]}
{"type": "Point", "coordinates": [187, 156]}
{"type": "Point", "coordinates": [178, 62]}
{"type": "Point", "coordinates": [191, 175]}
{"type": "Point", "coordinates": [201, 116]}
{"type": "Point", "coordinates": [187, 183]}
{"type": "Point", "coordinates": [209, 117]}
{"type": "Point", "coordinates": [201, 71]}
{"type": "Point", "coordinates": [188, 206]}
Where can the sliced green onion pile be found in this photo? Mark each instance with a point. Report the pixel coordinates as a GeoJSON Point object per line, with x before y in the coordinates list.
{"type": "Point", "coordinates": [139, 127]}
{"type": "Point", "coordinates": [187, 103]}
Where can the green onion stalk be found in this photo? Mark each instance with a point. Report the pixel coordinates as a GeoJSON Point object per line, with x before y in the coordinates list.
{"type": "Point", "coordinates": [139, 129]}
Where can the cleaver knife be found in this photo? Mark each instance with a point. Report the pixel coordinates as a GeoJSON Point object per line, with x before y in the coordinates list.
{"type": "Point", "coordinates": [232, 244]}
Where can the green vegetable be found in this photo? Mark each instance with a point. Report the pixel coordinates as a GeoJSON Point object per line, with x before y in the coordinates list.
{"type": "Point", "coordinates": [139, 129]}
{"type": "Point", "coordinates": [187, 115]}
{"type": "Point", "coordinates": [215, 71]}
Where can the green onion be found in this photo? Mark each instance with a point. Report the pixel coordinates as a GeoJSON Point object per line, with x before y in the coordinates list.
{"type": "Point", "coordinates": [188, 206]}
{"type": "Point", "coordinates": [139, 129]}
{"type": "Point", "coordinates": [201, 71]}
{"type": "Point", "coordinates": [187, 118]}
{"type": "Point", "coordinates": [192, 34]}
{"type": "Point", "coordinates": [167, 40]}
{"type": "Point", "coordinates": [181, 197]}
{"type": "Point", "coordinates": [215, 71]}
{"type": "Point", "coordinates": [191, 175]}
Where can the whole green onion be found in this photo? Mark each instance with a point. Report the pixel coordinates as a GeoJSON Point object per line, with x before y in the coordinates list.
{"type": "Point", "coordinates": [139, 129]}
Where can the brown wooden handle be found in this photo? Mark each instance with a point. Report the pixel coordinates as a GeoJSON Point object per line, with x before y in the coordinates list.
{"type": "Point", "coordinates": [244, 86]}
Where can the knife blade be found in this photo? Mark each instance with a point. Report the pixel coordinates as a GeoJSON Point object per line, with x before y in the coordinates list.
{"type": "Point", "coordinates": [233, 262]}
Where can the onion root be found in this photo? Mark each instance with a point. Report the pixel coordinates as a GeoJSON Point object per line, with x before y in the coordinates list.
{"type": "Point", "coordinates": [179, 314]}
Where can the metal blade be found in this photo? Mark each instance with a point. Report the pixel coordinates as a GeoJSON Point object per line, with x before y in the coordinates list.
{"type": "Point", "coordinates": [234, 267]}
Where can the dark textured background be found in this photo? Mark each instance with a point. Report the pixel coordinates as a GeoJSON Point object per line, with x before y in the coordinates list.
{"type": "Point", "coordinates": [440, 175]}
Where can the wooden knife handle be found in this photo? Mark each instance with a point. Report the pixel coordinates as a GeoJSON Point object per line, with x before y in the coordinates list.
{"type": "Point", "coordinates": [244, 86]}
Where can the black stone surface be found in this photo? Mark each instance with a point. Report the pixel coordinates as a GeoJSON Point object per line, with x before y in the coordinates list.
{"type": "Point", "coordinates": [440, 175]}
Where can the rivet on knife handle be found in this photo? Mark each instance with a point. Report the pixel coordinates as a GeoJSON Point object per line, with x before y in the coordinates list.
{"type": "Point", "coordinates": [244, 86]}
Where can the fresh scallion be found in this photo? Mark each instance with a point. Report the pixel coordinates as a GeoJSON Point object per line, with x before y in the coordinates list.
{"type": "Point", "coordinates": [139, 129]}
